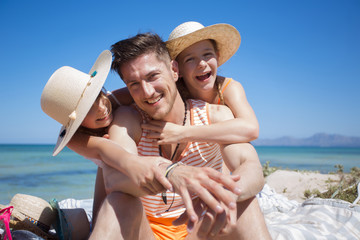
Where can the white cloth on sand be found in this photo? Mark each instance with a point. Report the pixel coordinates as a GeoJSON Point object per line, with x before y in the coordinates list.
{"type": "Point", "coordinates": [72, 203]}
{"type": "Point", "coordinates": [313, 219]}
{"type": "Point", "coordinates": [289, 219]}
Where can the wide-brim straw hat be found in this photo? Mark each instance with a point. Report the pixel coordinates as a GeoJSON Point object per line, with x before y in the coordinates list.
{"type": "Point", "coordinates": [32, 213]}
{"type": "Point", "coordinates": [227, 39]}
{"type": "Point", "coordinates": [69, 94]}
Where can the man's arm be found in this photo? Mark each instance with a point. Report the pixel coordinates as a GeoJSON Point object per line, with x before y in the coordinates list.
{"type": "Point", "coordinates": [240, 158]}
{"type": "Point", "coordinates": [207, 183]}
{"type": "Point", "coordinates": [144, 176]}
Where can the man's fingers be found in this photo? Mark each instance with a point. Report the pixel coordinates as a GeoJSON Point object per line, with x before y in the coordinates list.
{"type": "Point", "coordinates": [218, 225]}
{"type": "Point", "coordinates": [228, 181]}
{"type": "Point", "coordinates": [209, 199]}
{"type": "Point", "coordinates": [206, 224]}
{"type": "Point", "coordinates": [188, 205]}
{"type": "Point", "coordinates": [181, 220]}
{"type": "Point", "coordinates": [199, 207]}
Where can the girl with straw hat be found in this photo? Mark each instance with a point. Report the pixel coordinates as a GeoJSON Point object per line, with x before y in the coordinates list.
{"type": "Point", "coordinates": [199, 51]}
{"type": "Point", "coordinates": [75, 100]}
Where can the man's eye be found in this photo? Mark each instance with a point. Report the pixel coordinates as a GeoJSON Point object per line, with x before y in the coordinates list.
{"type": "Point", "coordinates": [132, 84]}
{"type": "Point", "coordinates": [189, 59]}
{"type": "Point", "coordinates": [153, 76]}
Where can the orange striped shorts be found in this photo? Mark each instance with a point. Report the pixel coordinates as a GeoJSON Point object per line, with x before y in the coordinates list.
{"type": "Point", "coordinates": [164, 230]}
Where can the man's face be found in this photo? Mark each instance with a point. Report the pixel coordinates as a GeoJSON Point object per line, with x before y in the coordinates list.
{"type": "Point", "coordinates": [151, 83]}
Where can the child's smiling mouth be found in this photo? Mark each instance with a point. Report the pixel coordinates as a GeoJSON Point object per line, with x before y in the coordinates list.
{"type": "Point", "coordinates": [203, 77]}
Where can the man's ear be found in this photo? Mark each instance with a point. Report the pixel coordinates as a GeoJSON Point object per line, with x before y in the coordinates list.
{"type": "Point", "coordinates": [175, 69]}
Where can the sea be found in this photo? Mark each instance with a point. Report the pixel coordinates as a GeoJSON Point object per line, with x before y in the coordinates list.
{"type": "Point", "coordinates": [31, 169]}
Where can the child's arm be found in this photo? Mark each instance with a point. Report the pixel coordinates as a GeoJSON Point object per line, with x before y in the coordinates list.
{"type": "Point", "coordinates": [243, 128]}
{"type": "Point", "coordinates": [140, 170]}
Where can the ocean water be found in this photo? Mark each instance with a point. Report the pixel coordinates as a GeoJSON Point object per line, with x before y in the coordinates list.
{"type": "Point", "coordinates": [31, 169]}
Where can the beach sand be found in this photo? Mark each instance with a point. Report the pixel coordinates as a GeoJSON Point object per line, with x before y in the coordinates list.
{"type": "Point", "coordinates": [293, 184]}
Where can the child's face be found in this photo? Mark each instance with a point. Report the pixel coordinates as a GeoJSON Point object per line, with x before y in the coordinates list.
{"type": "Point", "coordinates": [100, 114]}
{"type": "Point", "coordinates": [198, 66]}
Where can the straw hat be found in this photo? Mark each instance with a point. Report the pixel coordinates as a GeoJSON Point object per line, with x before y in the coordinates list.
{"type": "Point", "coordinates": [32, 213]}
{"type": "Point", "coordinates": [69, 94]}
{"type": "Point", "coordinates": [186, 34]}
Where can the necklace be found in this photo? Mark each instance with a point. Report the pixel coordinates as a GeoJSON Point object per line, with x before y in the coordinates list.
{"type": "Point", "coordinates": [163, 195]}
{"type": "Point", "coordinates": [177, 145]}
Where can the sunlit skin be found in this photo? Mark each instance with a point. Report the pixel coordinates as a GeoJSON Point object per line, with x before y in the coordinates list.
{"type": "Point", "coordinates": [99, 115]}
{"type": "Point", "coordinates": [198, 66]}
{"type": "Point", "coordinates": [151, 84]}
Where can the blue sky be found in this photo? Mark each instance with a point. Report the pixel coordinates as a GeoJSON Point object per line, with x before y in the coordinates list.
{"type": "Point", "coordinates": [299, 61]}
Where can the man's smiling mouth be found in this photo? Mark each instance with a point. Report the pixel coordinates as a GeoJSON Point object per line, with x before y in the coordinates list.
{"type": "Point", "coordinates": [154, 100]}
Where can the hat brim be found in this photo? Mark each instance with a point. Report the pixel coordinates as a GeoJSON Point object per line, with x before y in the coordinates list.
{"type": "Point", "coordinates": [227, 38]}
{"type": "Point", "coordinates": [102, 67]}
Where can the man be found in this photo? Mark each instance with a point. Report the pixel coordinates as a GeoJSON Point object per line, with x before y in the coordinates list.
{"type": "Point", "coordinates": [217, 205]}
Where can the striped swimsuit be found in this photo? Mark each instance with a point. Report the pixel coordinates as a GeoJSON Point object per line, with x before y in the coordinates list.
{"type": "Point", "coordinates": [197, 154]}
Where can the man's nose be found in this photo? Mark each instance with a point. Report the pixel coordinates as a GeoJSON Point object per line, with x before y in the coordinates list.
{"type": "Point", "coordinates": [148, 89]}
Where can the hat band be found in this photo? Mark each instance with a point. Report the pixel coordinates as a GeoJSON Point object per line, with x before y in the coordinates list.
{"type": "Point", "coordinates": [41, 225]}
{"type": "Point", "coordinates": [72, 115]}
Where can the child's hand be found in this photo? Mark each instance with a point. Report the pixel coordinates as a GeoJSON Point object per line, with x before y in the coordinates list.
{"type": "Point", "coordinates": [165, 132]}
{"type": "Point", "coordinates": [149, 176]}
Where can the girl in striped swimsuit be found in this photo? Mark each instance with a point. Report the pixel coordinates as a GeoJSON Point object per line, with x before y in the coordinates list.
{"type": "Point", "coordinates": [199, 51]}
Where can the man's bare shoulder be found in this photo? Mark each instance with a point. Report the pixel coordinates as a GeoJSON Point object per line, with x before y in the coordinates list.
{"type": "Point", "coordinates": [124, 114]}
{"type": "Point", "coordinates": [127, 122]}
{"type": "Point", "coordinates": [219, 113]}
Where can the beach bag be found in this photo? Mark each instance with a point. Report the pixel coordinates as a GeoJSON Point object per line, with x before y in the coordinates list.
{"type": "Point", "coordinates": [5, 222]}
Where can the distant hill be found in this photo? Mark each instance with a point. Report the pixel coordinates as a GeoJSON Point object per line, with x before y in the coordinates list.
{"type": "Point", "coordinates": [317, 140]}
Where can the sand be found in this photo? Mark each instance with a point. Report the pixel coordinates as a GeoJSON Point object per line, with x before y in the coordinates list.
{"type": "Point", "coordinates": [293, 184]}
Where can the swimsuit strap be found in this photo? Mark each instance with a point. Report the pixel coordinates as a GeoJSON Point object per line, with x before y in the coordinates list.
{"type": "Point", "coordinates": [223, 89]}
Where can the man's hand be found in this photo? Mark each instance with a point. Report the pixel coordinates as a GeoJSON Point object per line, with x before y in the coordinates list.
{"type": "Point", "coordinates": [214, 224]}
{"type": "Point", "coordinates": [208, 184]}
{"type": "Point", "coordinates": [210, 223]}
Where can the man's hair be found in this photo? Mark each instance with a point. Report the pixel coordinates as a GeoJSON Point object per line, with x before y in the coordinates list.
{"type": "Point", "coordinates": [131, 48]}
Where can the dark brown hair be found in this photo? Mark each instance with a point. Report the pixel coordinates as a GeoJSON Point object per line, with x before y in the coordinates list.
{"type": "Point", "coordinates": [131, 48]}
